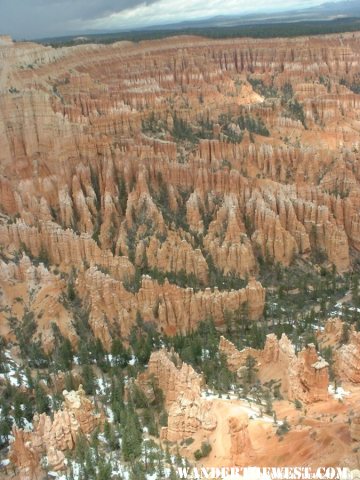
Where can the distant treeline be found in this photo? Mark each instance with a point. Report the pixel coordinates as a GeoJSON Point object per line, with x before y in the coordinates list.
{"type": "Point", "coordinates": [272, 30]}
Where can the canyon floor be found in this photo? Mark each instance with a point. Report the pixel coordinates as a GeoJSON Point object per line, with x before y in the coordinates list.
{"type": "Point", "coordinates": [179, 256]}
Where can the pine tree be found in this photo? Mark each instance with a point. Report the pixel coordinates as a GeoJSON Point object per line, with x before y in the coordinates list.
{"type": "Point", "coordinates": [149, 421]}
{"type": "Point", "coordinates": [84, 354]}
{"type": "Point", "coordinates": [268, 402]}
{"type": "Point", "coordinates": [345, 334]}
{"type": "Point", "coordinates": [42, 402]}
{"type": "Point", "coordinates": [120, 355]}
{"type": "Point", "coordinates": [275, 417]}
{"type": "Point", "coordinates": [228, 322]}
{"type": "Point", "coordinates": [29, 378]}
{"type": "Point", "coordinates": [123, 196]}
{"type": "Point", "coordinates": [137, 471]}
{"type": "Point", "coordinates": [69, 382]}
{"type": "Point", "coordinates": [132, 437]}
{"type": "Point", "coordinates": [89, 466]}
{"type": "Point", "coordinates": [5, 428]}
{"type": "Point", "coordinates": [18, 413]}
{"type": "Point", "coordinates": [160, 466]}
{"type": "Point", "coordinates": [110, 436]}
{"type": "Point", "coordinates": [94, 442]}
{"type": "Point", "coordinates": [88, 379]}
{"type": "Point", "coordinates": [173, 475]}
{"type": "Point", "coordinates": [178, 458]}
{"type": "Point", "coordinates": [250, 373]}
{"type": "Point", "coordinates": [81, 447]}
{"type": "Point", "coordinates": [104, 470]}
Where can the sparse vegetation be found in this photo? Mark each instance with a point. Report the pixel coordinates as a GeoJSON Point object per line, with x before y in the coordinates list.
{"type": "Point", "coordinates": [204, 451]}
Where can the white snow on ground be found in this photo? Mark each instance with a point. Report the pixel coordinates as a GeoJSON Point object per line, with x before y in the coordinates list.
{"type": "Point", "coordinates": [132, 361]}
{"type": "Point", "coordinates": [252, 411]}
{"type": "Point", "coordinates": [339, 394]}
{"type": "Point", "coordinates": [14, 376]}
{"type": "Point", "coordinates": [109, 414]}
{"type": "Point", "coordinates": [102, 386]}
{"type": "Point", "coordinates": [338, 309]}
{"type": "Point", "coordinates": [13, 372]}
{"type": "Point", "coordinates": [255, 414]}
{"type": "Point", "coordinates": [76, 472]}
{"type": "Point", "coordinates": [28, 426]}
{"type": "Point", "coordinates": [354, 309]}
{"type": "Point", "coordinates": [118, 468]}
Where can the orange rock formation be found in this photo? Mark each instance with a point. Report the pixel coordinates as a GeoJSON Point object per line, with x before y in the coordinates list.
{"type": "Point", "coordinates": [347, 359]}
{"type": "Point", "coordinates": [188, 412]}
{"type": "Point", "coordinates": [92, 173]}
{"type": "Point", "coordinates": [304, 376]}
{"type": "Point", "coordinates": [53, 437]}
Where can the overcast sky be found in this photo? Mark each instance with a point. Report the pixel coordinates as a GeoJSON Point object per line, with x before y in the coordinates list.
{"type": "Point", "coordinates": [41, 18]}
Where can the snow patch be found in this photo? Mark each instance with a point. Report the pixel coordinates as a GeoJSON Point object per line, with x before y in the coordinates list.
{"type": "Point", "coordinates": [339, 393]}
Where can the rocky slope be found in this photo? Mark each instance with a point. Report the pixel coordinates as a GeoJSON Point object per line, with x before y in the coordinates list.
{"type": "Point", "coordinates": [302, 377]}
{"type": "Point", "coordinates": [238, 431]}
{"type": "Point", "coordinates": [345, 342]}
{"type": "Point", "coordinates": [192, 159]}
{"type": "Point", "coordinates": [148, 189]}
{"type": "Point", "coordinates": [188, 412]}
{"type": "Point", "coordinates": [53, 437]}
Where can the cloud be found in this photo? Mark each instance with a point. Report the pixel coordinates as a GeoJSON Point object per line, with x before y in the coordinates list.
{"type": "Point", "coordinates": [170, 11]}
{"type": "Point", "coordinates": [40, 18]}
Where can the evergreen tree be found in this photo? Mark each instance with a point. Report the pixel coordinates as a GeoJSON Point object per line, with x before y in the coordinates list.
{"type": "Point", "coordinates": [355, 290]}
{"type": "Point", "coordinates": [81, 447]}
{"type": "Point", "coordinates": [99, 354]}
{"type": "Point", "coordinates": [173, 475]}
{"type": "Point", "coordinates": [283, 428]}
{"type": "Point", "coordinates": [228, 318]}
{"type": "Point", "coordinates": [110, 436]}
{"type": "Point", "coordinates": [132, 437]}
{"type": "Point", "coordinates": [139, 398]}
{"type": "Point", "coordinates": [268, 402]}
{"type": "Point", "coordinates": [69, 382]}
{"type": "Point", "coordinates": [42, 402]}
{"type": "Point", "coordinates": [150, 423]}
{"type": "Point", "coordinates": [29, 378]}
{"type": "Point", "coordinates": [5, 428]}
{"type": "Point", "coordinates": [137, 471]}
{"type": "Point", "coordinates": [160, 466]}
{"type": "Point", "coordinates": [88, 378]}
{"type": "Point", "coordinates": [18, 413]}
{"type": "Point", "coordinates": [123, 196]}
{"type": "Point", "coordinates": [104, 470]}
{"type": "Point", "coordinates": [95, 442]}
{"type": "Point", "coordinates": [63, 353]}
{"type": "Point", "coordinates": [120, 355]}
{"type": "Point", "coordinates": [345, 334]}
{"type": "Point", "coordinates": [250, 372]}
{"type": "Point", "coordinates": [84, 354]}
{"type": "Point", "coordinates": [89, 465]}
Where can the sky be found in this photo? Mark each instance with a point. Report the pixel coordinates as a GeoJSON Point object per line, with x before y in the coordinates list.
{"type": "Point", "coordinates": [26, 19]}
